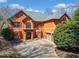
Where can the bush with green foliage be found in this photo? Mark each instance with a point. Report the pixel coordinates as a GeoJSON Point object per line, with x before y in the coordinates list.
{"type": "Point", "coordinates": [7, 34]}
{"type": "Point", "coordinates": [76, 15]}
{"type": "Point", "coordinates": [66, 34]}
{"type": "Point", "coordinates": [0, 31]}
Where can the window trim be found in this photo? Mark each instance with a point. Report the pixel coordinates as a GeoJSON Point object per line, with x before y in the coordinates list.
{"type": "Point", "coordinates": [29, 23]}
{"type": "Point", "coordinates": [17, 26]}
{"type": "Point", "coordinates": [24, 20]}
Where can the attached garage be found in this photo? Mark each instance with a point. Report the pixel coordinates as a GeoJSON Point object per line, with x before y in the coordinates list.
{"type": "Point", "coordinates": [49, 36]}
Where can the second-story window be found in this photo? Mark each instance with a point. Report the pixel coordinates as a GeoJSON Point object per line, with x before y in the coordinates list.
{"type": "Point", "coordinates": [17, 24]}
{"type": "Point", "coordinates": [28, 25]}
{"type": "Point", "coordinates": [24, 20]}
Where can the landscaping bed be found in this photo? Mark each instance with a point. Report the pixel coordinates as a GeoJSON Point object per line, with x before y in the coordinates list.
{"type": "Point", "coordinates": [6, 50]}
{"type": "Point", "coordinates": [7, 53]}
{"type": "Point", "coordinates": [67, 54]}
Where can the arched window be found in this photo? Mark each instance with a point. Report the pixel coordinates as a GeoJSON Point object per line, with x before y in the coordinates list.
{"type": "Point", "coordinates": [28, 25]}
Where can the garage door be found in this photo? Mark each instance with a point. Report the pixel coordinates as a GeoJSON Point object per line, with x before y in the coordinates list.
{"type": "Point", "coordinates": [48, 36]}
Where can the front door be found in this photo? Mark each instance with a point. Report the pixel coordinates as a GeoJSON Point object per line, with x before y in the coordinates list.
{"type": "Point", "coordinates": [28, 35]}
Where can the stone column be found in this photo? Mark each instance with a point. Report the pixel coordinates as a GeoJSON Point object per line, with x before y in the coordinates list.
{"type": "Point", "coordinates": [24, 36]}
{"type": "Point", "coordinates": [31, 35]}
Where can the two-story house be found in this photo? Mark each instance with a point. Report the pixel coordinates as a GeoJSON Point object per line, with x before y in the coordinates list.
{"type": "Point", "coordinates": [28, 25]}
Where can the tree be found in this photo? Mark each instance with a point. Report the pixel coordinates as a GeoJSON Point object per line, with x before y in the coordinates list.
{"type": "Point", "coordinates": [66, 34]}
{"type": "Point", "coordinates": [7, 34]}
{"type": "Point", "coordinates": [76, 15]}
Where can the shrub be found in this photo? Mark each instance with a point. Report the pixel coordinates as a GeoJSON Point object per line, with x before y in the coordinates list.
{"type": "Point", "coordinates": [0, 32]}
{"type": "Point", "coordinates": [76, 15]}
{"type": "Point", "coordinates": [66, 34]}
{"type": "Point", "coordinates": [7, 34]}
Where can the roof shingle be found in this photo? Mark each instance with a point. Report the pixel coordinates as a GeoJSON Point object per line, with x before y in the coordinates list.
{"type": "Point", "coordinates": [36, 16]}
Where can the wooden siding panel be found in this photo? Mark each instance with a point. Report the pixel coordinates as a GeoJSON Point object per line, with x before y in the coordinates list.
{"type": "Point", "coordinates": [48, 27]}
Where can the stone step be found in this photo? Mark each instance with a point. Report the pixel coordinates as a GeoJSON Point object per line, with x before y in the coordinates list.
{"type": "Point", "coordinates": [20, 46]}
{"type": "Point", "coordinates": [26, 51]}
{"type": "Point", "coordinates": [35, 49]}
{"type": "Point", "coordinates": [23, 50]}
{"type": "Point", "coordinates": [44, 56]}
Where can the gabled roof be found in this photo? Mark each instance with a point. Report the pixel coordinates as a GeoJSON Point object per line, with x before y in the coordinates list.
{"type": "Point", "coordinates": [42, 16]}
{"type": "Point", "coordinates": [36, 16]}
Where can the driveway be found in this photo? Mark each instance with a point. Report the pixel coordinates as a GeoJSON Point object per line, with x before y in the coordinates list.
{"type": "Point", "coordinates": [36, 49]}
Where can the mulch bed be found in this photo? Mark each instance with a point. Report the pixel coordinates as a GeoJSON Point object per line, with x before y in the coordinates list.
{"type": "Point", "coordinates": [67, 54]}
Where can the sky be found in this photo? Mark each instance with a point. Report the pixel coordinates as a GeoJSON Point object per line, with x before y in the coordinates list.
{"type": "Point", "coordinates": [37, 5]}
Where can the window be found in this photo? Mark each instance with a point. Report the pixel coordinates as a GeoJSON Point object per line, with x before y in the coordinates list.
{"type": "Point", "coordinates": [17, 24]}
{"type": "Point", "coordinates": [24, 20]}
{"type": "Point", "coordinates": [28, 25]}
